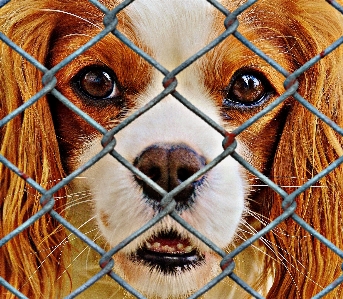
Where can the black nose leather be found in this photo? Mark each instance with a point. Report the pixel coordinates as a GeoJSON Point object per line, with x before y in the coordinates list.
{"type": "Point", "coordinates": [169, 166]}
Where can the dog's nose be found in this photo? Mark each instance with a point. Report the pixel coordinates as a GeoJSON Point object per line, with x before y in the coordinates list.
{"type": "Point", "coordinates": [169, 166]}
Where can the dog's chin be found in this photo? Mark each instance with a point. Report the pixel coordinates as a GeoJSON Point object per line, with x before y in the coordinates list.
{"type": "Point", "coordinates": [168, 263]}
{"type": "Point", "coordinates": [164, 275]}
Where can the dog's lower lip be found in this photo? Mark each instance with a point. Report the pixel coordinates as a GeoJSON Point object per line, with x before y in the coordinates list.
{"type": "Point", "coordinates": [169, 262]}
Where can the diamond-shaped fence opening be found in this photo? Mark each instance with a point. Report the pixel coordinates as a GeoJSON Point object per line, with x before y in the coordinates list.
{"type": "Point", "coordinates": [289, 245]}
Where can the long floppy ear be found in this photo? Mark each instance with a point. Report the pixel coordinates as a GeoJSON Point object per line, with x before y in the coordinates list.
{"type": "Point", "coordinates": [29, 261]}
{"type": "Point", "coordinates": [304, 266]}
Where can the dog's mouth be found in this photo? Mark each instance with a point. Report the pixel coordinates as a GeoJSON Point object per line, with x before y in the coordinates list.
{"type": "Point", "coordinates": [169, 253]}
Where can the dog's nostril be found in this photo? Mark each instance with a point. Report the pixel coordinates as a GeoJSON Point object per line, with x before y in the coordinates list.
{"type": "Point", "coordinates": [183, 174]}
{"type": "Point", "coordinates": [169, 166]}
{"type": "Point", "coordinates": [154, 173]}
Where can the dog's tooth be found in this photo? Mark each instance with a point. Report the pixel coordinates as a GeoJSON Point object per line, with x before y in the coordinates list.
{"type": "Point", "coordinates": [188, 249]}
{"type": "Point", "coordinates": [156, 245]}
{"type": "Point", "coordinates": [180, 246]}
{"type": "Point", "coordinates": [167, 248]}
{"type": "Point", "coordinates": [148, 245]}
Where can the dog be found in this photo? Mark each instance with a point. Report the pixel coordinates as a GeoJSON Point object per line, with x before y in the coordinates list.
{"type": "Point", "coordinates": [168, 144]}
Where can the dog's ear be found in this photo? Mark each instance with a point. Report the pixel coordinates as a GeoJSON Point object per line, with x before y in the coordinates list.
{"type": "Point", "coordinates": [28, 141]}
{"type": "Point", "coordinates": [307, 146]}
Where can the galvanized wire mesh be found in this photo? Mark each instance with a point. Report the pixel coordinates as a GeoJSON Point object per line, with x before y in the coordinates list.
{"type": "Point", "coordinates": [229, 144]}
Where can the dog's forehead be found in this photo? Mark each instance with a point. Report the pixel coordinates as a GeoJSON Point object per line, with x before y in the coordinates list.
{"type": "Point", "coordinates": [172, 29]}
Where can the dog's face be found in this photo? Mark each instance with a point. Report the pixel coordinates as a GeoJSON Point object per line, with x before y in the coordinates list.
{"type": "Point", "coordinates": [169, 143]}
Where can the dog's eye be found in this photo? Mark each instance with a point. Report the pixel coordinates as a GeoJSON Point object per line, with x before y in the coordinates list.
{"type": "Point", "coordinates": [97, 82]}
{"type": "Point", "coordinates": [247, 89]}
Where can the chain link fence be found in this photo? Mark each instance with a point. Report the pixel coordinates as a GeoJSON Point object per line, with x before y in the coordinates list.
{"type": "Point", "coordinates": [48, 196]}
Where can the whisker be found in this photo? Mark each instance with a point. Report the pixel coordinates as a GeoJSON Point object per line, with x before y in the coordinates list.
{"type": "Point", "coordinates": [73, 15]}
{"type": "Point", "coordinates": [285, 186]}
{"type": "Point", "coordinates": [288, 186]}
{"type": "Point", "coordinates": [280, 257]}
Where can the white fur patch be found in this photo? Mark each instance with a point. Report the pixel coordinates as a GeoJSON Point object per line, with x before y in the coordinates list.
{"type": "Point", "coordinates": [173, 30]}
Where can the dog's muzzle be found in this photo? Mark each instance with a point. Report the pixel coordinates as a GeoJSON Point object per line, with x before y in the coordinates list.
{"type": "Point", "coordinates": [169, 166]}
